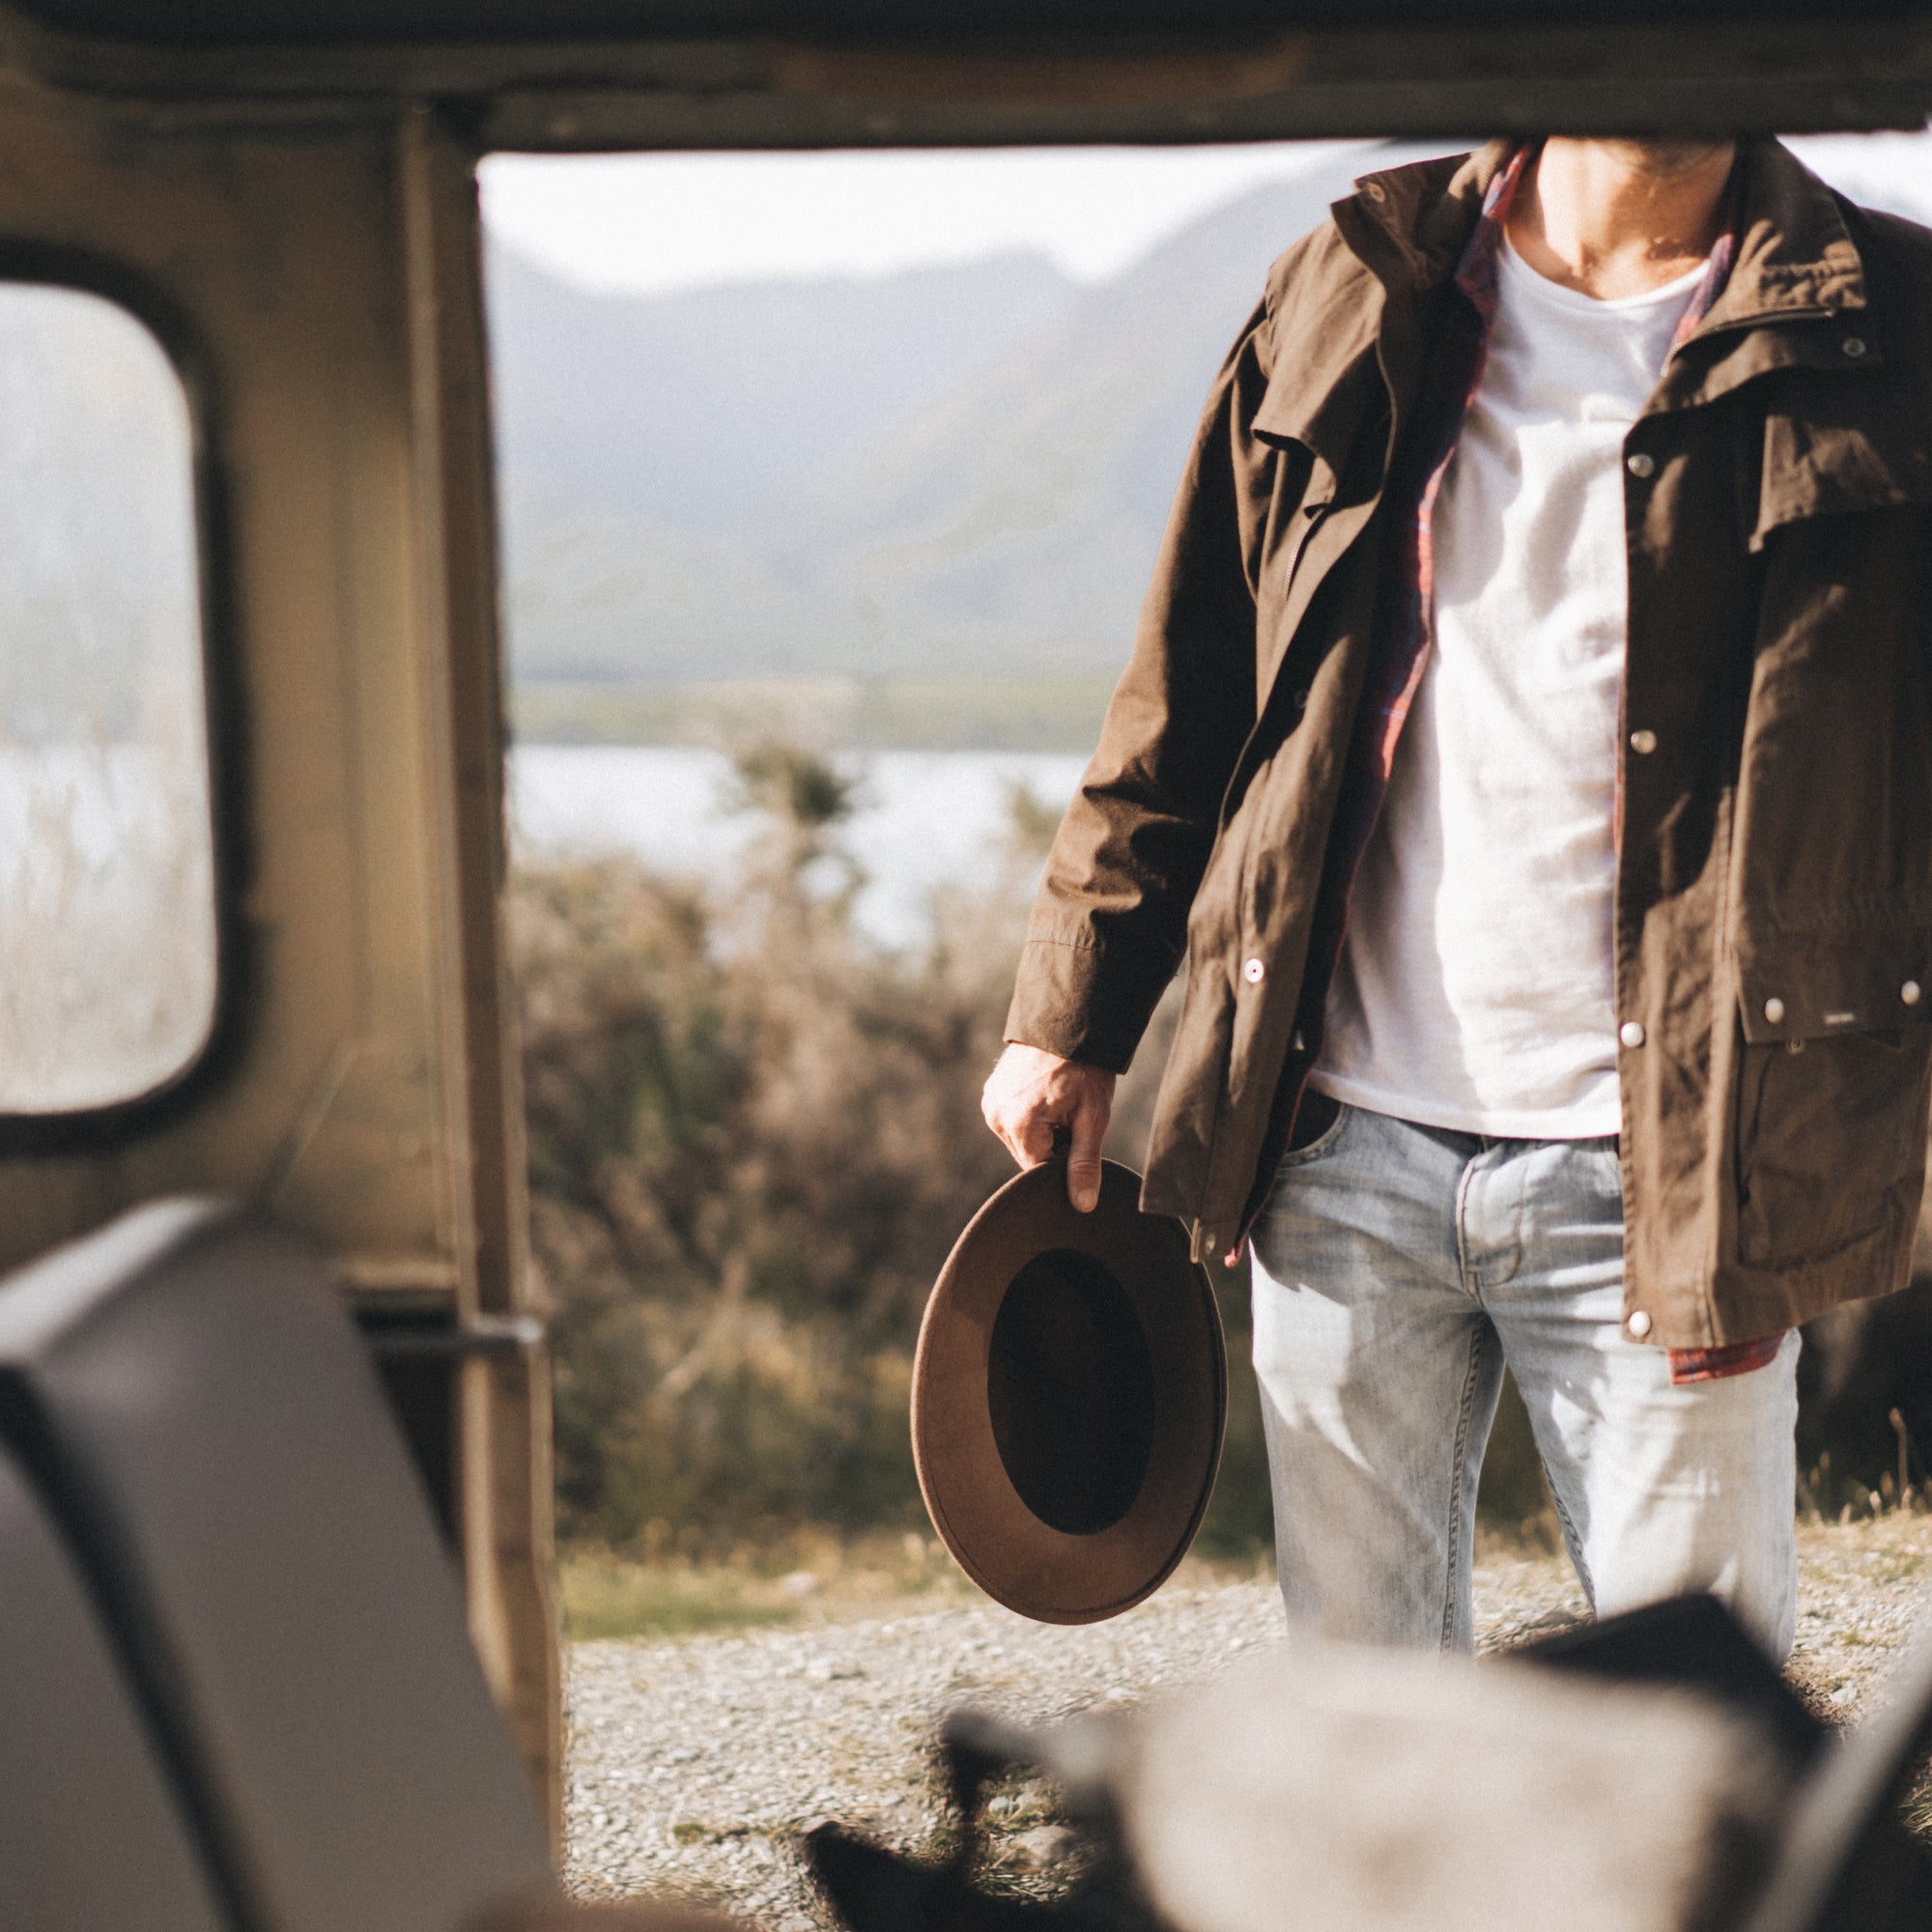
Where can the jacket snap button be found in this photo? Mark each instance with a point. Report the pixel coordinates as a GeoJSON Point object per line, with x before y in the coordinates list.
{"type": "Point", "coordinates": [1643, 742]}
{"type": "Point", "coordinates": [1631, 1032]}
{"type": "Point", "coordinates": [1639, 1323]}
{"type": "Point", "coordinates": [1639, 463]}
{"type": "Point", "coordinates": [1252, 972]}
{"type": "Point", "coordinates": [1909, 992]}
{"type": "Point", "coordinates": [1773, 1011]}
{"type": "Point", "coordinates": [1855, 346]}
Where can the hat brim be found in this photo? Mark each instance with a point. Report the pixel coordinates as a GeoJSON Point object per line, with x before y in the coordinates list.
{"type": "Point", "coordinates": [1053, 1575]}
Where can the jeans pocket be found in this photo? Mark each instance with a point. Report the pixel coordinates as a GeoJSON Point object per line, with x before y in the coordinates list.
{"type": "Point", "coordinates": [1322, 1144]}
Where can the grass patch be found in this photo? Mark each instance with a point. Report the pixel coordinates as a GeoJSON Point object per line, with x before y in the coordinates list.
{"type": "Point", "coordinates": [807, 1575]}
{"type": "Point", "coordinates": [604, 1595]}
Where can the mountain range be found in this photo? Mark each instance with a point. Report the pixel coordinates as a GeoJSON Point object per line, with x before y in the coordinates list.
{"type": "Point", "coordinates": [920, 506]}
{"type": "Point", "coordinates": [915, 509]}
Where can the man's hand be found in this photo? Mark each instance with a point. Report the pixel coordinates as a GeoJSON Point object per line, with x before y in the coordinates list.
{"type": "Point", "coordinates": [1031, 1093]}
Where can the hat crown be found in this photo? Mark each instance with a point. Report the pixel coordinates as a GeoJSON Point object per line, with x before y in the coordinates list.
{"type": "Point", "coordinates": [1071, 1386]}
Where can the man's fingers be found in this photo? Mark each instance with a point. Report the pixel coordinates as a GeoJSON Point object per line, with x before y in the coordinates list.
{"type": "Point", "coordinates": [1032, 1141]}
{"type": "Point", "coordinates": [1014, 1116]}
{"type": "Point", "coordinates": [1026, 1129]}
{"type": "Point", "coordinates": [1041, 1105]}
{"type": "Point", "coordinates": [1083, 1157]}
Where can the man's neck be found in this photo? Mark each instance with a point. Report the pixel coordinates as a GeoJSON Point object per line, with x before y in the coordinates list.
{"type": "Point", "coordinates": [1614, 219]}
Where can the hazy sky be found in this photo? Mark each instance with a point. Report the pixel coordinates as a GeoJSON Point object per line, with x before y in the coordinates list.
{"type": "Point", "coordinates": [666, 221]}
{"type": "Point", "coordinates": [672, 221]}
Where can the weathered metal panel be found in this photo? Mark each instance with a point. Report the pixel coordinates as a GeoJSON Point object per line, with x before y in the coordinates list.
{"type": "Point", "coordinates": [315, 275]}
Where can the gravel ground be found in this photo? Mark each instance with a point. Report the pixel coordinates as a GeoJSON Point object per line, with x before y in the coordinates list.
{"type": "Point", "coordinates": [1861, 1595]}
{"type": "Point", "coordinates": [695, 1764]}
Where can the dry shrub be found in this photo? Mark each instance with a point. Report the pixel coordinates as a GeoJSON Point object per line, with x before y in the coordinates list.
{"type": "Point", "coordinates": [754, 1134]}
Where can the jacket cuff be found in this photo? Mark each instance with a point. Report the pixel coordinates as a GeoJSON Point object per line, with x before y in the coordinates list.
{"type": "Point", "coordinates": [1085, 1003]}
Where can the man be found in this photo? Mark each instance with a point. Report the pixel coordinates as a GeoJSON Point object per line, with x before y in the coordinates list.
{"type": "Point", "coordinates": [1529, 736]}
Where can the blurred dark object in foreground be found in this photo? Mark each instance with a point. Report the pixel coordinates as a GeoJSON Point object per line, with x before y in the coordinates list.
{"type": "Point", "coordinates": [564, 1914]}
{"type": "Point", "coordinates": [1650, 1774]}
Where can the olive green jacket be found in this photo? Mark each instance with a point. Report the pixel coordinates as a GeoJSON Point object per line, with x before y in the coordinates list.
{"type": "Point", "coordinates": [1774, 894]}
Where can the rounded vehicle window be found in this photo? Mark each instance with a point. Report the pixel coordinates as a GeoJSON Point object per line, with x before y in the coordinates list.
{"type": "Point", "coordinates": [108, 942]}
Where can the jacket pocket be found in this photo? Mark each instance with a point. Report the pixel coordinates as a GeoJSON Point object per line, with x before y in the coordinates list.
{"type": "Point", "coordinates": [1831, 1141]}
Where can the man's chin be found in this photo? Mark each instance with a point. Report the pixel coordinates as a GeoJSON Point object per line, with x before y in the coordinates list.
{"type": "Point", "coordinates": [1663, 159]}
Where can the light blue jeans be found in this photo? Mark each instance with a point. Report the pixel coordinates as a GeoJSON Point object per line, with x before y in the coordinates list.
{"type": "Point", "coordinates": [1397, 1269]}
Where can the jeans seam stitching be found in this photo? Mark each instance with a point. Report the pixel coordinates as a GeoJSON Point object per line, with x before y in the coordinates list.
{"type": "Point", "coordinates": [1571, 1537]}
{"type": "Point", "coordinates": [1457, 1464]}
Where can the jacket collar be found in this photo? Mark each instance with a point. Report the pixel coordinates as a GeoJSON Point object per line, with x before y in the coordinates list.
{"type": "Point", "coordinates": [1794, 254]}
{"type": "Point", "coordinates": [1794, 262]}
{"type": "Point", "coordinates": [1410, 224]}
{"type": "Point", "coordinates": [1406, 229]}
{"type": "Point", "coordinates": [1798, 272]}
{"type": "Point", "coordinates": [1796, 295]}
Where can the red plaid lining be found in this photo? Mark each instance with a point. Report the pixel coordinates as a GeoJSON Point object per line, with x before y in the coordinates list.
{"type": "Point", "coordinates": [1398, 646]}
{"type": "Point", "coordinates": [1405, 619]}
{"type": "Point", "coordinates": [1736, 1358]}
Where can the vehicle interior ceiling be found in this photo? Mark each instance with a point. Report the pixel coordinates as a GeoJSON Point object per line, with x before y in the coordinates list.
{"type": "Point", "coordinates": [284, 194]}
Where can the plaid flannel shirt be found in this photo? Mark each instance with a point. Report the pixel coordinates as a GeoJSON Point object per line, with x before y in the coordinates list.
{"type": "Point", "coordinates": [1405, 629]}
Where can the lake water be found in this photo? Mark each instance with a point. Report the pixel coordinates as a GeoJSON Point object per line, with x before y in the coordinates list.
{"type": "Point", "coordinates": [925, 820]}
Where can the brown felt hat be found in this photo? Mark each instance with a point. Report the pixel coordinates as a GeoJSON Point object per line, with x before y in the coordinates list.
{"type": "Point", "coordinates": [1068, 1397]}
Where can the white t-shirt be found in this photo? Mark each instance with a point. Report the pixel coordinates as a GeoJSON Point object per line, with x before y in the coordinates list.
{"type": "Point", "coordinates": [1474, 989]}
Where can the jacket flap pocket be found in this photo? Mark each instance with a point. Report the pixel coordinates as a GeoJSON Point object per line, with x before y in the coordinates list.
{"type": "Point", "coordinates": [1795, 988]}
{"type": "Point", "coordinates": [1871, 449]}
{"type": "Point", "coordinates": [1321, 410]}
